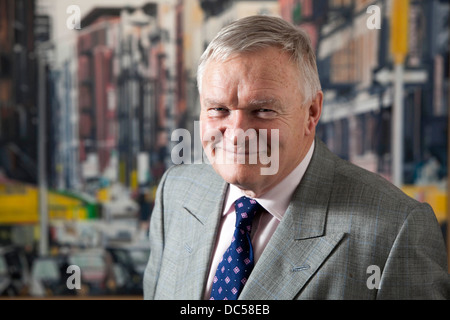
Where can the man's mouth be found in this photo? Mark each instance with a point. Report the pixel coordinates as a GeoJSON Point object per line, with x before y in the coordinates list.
{"type": "Point", "coordinates": [240, 150]}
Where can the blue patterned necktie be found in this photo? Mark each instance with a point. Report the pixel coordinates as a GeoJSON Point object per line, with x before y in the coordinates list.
{"type": "Point", "coordinates": [237, 262]}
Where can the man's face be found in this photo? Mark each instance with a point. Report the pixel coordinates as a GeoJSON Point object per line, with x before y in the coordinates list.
{"type": "Point", "coordinates": [258, 90]}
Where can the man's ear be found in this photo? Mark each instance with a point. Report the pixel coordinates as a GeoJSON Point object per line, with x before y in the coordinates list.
{"type": "Point", "coordinates": [314, 113]}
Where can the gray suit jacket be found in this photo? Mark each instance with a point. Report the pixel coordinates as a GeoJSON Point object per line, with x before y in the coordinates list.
{"type": "Point", "coordinates": [343, 225]}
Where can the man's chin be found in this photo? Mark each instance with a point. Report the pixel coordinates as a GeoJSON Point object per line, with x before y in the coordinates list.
{"type": "Point", "coordinates": [242, 175]}
{"type": "Point", "coordinates": [233, 158]}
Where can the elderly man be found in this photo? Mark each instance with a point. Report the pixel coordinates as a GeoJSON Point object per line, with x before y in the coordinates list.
{"type": "Point", "coordinates": [313, 227]}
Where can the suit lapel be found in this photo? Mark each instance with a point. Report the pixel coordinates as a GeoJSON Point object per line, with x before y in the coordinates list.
{"type": "Point", "coordinates": [299, 245]}
{"type": "Point", "coordinates": [201, 229]}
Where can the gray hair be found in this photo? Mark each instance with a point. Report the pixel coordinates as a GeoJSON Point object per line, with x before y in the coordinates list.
{"type": "Point", "coordinates": [258, 32]}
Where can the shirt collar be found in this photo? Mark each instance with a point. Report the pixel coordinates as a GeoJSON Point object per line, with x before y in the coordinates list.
{"type": "Point", "coordinates": [276, 200]}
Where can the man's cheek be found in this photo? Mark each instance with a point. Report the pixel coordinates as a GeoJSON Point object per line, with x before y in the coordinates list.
{"type": "Point", "coordinates": [269, 151]}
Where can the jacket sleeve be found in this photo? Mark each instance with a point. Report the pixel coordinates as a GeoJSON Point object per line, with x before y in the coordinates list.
{"type": "Point", "coordinates": [156, 238]}
{"type": "Point", "coordinates": [417, 264]}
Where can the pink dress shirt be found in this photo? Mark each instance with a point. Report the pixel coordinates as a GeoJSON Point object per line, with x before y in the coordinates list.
{"type": "Point", "coordinates": [275, 202]}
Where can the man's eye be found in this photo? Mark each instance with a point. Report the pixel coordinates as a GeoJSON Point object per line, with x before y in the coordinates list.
{"type": "Point", "coordinates": [265, 113]}
{"type": "Point", "coordinates": [217, 111]}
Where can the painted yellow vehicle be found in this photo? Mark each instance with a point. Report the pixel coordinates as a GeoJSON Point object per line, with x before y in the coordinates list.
{"type": "Point", "coordinates": [19, 204]}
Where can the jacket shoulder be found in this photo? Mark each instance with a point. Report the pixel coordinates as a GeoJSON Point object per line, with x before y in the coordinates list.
{"type": "Point", "coordinates": [376, 185]}
{"type": "Point", "coordinates": [181, 180]}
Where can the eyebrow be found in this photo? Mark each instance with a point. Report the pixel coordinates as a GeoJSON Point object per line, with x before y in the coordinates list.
{"type": "Point", "coordinates": [211, 102]}
{"type": "Point", "coordinates": [254, 103]}
{"type": "Point", "coordinates": [264, 102]}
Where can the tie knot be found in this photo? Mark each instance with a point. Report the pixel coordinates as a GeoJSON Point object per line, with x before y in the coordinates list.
{"type": "Point", "coordinates": [246, 209]}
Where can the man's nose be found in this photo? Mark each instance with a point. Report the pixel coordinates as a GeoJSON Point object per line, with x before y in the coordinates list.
{"type": "Point", "coordinates": [239, 120]}
{"type": "Point", "coordinates": [238, 127]}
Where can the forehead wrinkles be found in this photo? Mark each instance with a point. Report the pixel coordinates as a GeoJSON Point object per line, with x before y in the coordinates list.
{"type": "Point", "coordinates": [263, 82]}
{"type": "Point", "coordinates": [269, 64]}
{"type": "Point", "coordinates": [257, 74]}
{"type": "Point", "coordinates": [250, 74]}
